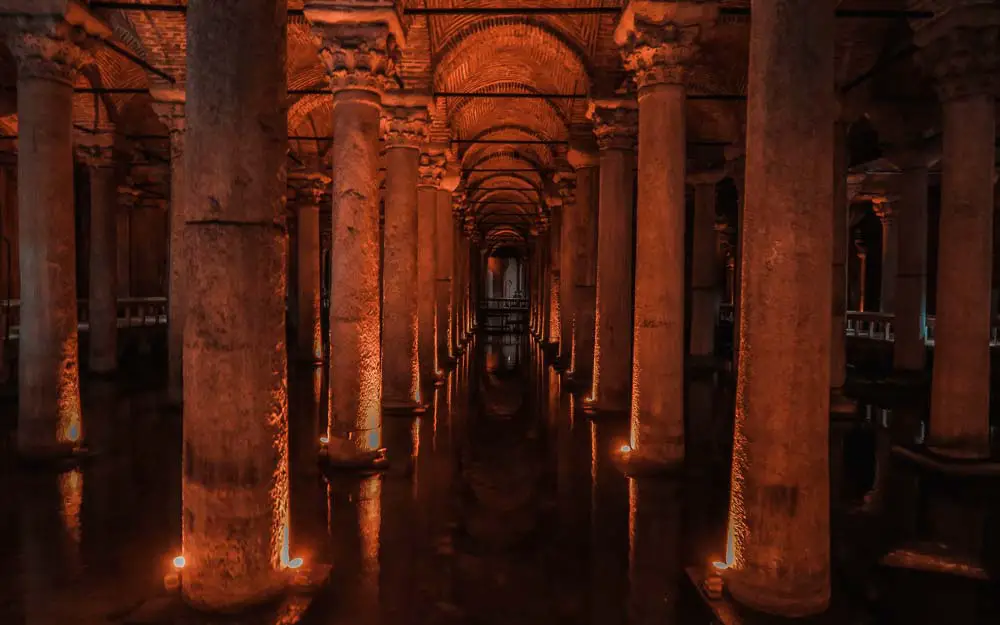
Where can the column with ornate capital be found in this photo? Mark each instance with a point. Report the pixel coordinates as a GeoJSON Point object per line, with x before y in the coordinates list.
{"type": "Point", "coordinates": [168, 104]}
{"type": "Point", "coordinates": [431, 171]}
{"type": "Point", "coordinates": [360, 59]}
{"type": "Point", "coordinates": [102, 301]}
{"type": "Point", "coordinates": [884, 209]}
{"type": "Point", "coordinates": [309, 334]}
{"type": "Point", "coordinates": [235, 477]}
{"type": "Point", "coordinates": [583, 225]}
{"type": "Point", "coordinates": [706, 291]}
{"type": "Point", "coordinates": [780, 500]}
{"type": "Point", "coordinates": [959, 49]}
{"type": "Point", "coordinates": [49, 54]}
{"type": "Point", "coordinates": [909, 352]}
{"type": "Point", "coordinates": [444, 260]}
{"type": "Point", "coordinates": [405, 122]}
{"type": "Point", "coordinates": [553, 329]}
{"type": "Point", "coordinates": [658, 43]}
{"type": "Point", "coordinates": [615, 128]}
{"type": "Point", "coordinates": [567, 245]}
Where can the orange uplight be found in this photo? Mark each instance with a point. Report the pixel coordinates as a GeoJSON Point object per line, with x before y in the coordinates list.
{"type": "Point", "coordinates": [294, 563]}
{"type": "Point", "coordinates": [324, 439]}
{"type": "Point", "coordinates": [179, 562]}
{"type": "Point", "coordinates": [720, 565]}
{"type": "Point", "coordinates": [625, 449]}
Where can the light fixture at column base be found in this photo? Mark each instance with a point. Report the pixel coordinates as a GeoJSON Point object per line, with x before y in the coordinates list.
{"type": "Point", "coordinates": [842, 406]}
{"type": "Point", "coordinates": [931, 460]}
{"type": "Point", "coordinates": [403, 410]}
{"type": "Point", "coordinates": [376, 460]}
{"type": "Point", "coordinates": [57, 457]}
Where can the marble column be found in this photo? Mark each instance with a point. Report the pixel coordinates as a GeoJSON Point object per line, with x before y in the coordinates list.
{"type": "Point", "coordinates": [405, 131]}
{"type": "Point", "coordinates": [102, 300]}
{"type": "Point", "coordinates": [235, 478]}
{"type": "Point", "coordinates": [959, 49]}
{"type": "Point", "coordinates": [883, 207]}
{"type": "Point", "coordinates": [554, 328]}
{"type": "Point", "coordinates": [431, 172]}
{"type": "Point", "coordinates": [128, 198]}
{"type": "Point", "coordinates": [309, 333]}
{"type": "Point", "coordinates": [706, 290]}
{"type": "Point", "coordinates": [444, 261]}
{"type": "Point", "coordinates": [583, 223]}
{"type": "Point", "coordinates": [567, 243]}
{"type": "Point", "coordinates": [615, 128]}
{"type": "Point", "coordinates": [457, 335]}
{"type": "Point", "coordinates": [48, 376]}
{"type": "Point", "coordinates": [910, 348]}
{"type": "Point", "coordinates": [658, 42]}
{"type": "Point", "coordinates": [780, 502]}
{"type": "Point", "coordinates": [168, 104]}
{"type": "Point", "coordinates": [361, 67]}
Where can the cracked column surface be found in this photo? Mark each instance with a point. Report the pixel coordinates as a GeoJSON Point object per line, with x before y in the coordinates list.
{"type": "Point", "coordinates": [583, 222]}
{"type": "Point", "coordinates": [102, 300]}
{"type": "Point", "coordinates": [431, 171]}
{"type": "Point", "coordinates": [614, 126]}
{"type": "Point", "coordinates": [444, 261]}
{"type": "Point", "coordinates": [309, 337]}
{"type": "Point", "coordinates": [360, 59]}
{"type": "Point", "coordinates": [959, 48]}
{"type": "Point", "coordinates": [235, 465]}
{"type": "Point", "coordinates": [48, 59]}
{"type": "Point", "coordinates": [405, 131]}
{"type": "Point", "coordinates": [780, 501]}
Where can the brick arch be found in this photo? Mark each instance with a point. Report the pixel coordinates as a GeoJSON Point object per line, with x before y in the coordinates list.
{"type": "Point", "coordinates": [514, 157]}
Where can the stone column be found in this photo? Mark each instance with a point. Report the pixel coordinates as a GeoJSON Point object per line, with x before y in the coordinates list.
{"type": "Point", "coordinates": [567, 245]}
{"type": "Point", "coordinates": [614, 127]}
{"type": "Point", "coordinates": [444, 261]}
{"type": "Point", "coordinates": [405, 130]}
{"type": "Point", "coordinates": [780, 505]}
{"type": "Point", "coordinates": [235, 478]}
{"type": "Point", "coordinates": [959, 48]}
{"type": "Point", "coordinates": [658, 41]}
{"type": "Point", "coordinates": [844, 188]}
{"type": "Point", "coordinates": [431, 172]}
{"type": "Point", "coordinates": [360, 60]}
{"type": "Point", "coordinates": [168, 104]}
{"type": "Point", "coordinates": [554, 328]}
{"type": "Point", "coordinates": [910, 349]}
{"type": "Point", "coordinates": [736, 169]}
{"type": "Point", "coordinates": [883, 207]}
{"type": "Point", "coordinates": [706, 291]}
{"type": "Point", "coordinates": [128, 197]}
{"type": "Point", "coordinates": [48, 58]}
{"type": "Point", "coordinates": [583, 220]}
{"type": "Point", "coordinates": [861, 250]}
{"type": "Point", "coordinates": [309, 337]}
{"type": "Point", "coordinates": [102, 300]}
{"type": "Point", "coordinates": [457, 335]}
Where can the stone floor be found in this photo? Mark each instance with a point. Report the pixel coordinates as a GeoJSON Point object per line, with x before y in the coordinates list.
{"type": "Point", "coordinates": [503, 505]}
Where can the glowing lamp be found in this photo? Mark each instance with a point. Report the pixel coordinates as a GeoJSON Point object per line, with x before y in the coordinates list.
{"type": "Point", "coordinates": [73, 433]}
{"type": "Point", "coordinates": [324, 439]}
{"type": "Point", "coordinates": [179, 562]}
{"type": "Point", "coordinates": [718, 565]}
{"type": "Point", "coordinates": [294, 563]}
{"type": "Point", "coordinates": [625, 449]}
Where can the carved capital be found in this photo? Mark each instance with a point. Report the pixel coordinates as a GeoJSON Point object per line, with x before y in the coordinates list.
{"type": "Point", "coordinates": [359, 57]}
{"type": "Point", "coordinates": [883, 207]}
{"type": "Point", "coordinates": [128, 197]}
{"type": "Point", "coordinates": [659, 40]}
{"type": "Point", "coordinates": [961, 50]}
{"type": "Point", "coordinates": [48, 49]}
{"type": "Point", "coordinates": [615, 123]}
{"type": "Point", "coordinates": [566, 182]}
{"type": "Point", "coordinates": [404, 126]}
{"type": "Point", "coordinates": [309, 188]}
{"type": "Point", "coordinates": [95, 150]}
{"type": "Point", "coordinates": [432, 168]}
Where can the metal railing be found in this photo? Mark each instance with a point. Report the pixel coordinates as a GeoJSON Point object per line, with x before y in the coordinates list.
{"type": "Point", "coordinates": [133, 312]}
{"type": "Point", "coordinates": [519, 304]}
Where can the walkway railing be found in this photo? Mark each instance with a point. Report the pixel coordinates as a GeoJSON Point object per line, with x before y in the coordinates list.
{"type": "Point", "coordinates": [133, 312]}
{"type": "Point", "coordinates": [517, 304]}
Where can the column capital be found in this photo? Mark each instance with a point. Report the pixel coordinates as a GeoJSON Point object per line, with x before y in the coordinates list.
{"type": "Point", "coordinates": [309, 188]}
{"type": "Point", "coordinates": [566, 182]}
{"type": "Point", "coordinates": [51, 41]}
{"type": "Point", "coordinates": [855, 181]}
{"type": "Point", "coordinates": [961, 49]}
{"type": "Point", "coordinates": [659, 40]}
{"type": "Point", "coordinates": [712, 177]}
{"type": "Point", "coordinates": [883, 207]}
{"type": "Point", "coordinates": [359, 43]}
{"type": "Point", "coordinates": [432, 167]}
{"type": "Point", "coordinates": [405, 120]}
{"type": "Point", "coordinates": [95, 150]}
{"type": "Point", "coordinates": [128, 197]}
{"type": "Point", "coordinates": [168, 106]}
{"type": "Point", "coordinates": [616, 123]}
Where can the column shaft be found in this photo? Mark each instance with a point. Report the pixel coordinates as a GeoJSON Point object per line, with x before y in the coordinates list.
{"type": "Point", "coordinates": [176, 295]}
{"type": "Point", "coordinates": [445, 248]}
{"type": "Point", "coordinates": [555, 277]}
{"type": "Point", "coordinates": [567, 286]}
{"type": "Point", "coordinates": [585, 220]}
{"type": "Point", "coordinates": [657, 430]}
{"type": "Point", "coordinates": [427, 280]}
{"type": "Point", "coordinates": [400, 359]}
{"type": "Point", "coordinates": [102, 299]}
{"type": "Point", "coordinates": [841, 231]}
{"type": "Point", "coordinates": [310, 333]}
{"type": "Point", "coordinates": [960, 390]}
{"type": "Point", "coordinates": [48, 375]}
{"type": "Point", "coordinates": [123, 252]}
{"type": "Point", "coordinates": [910, 349]}
{"type": "Point", "coordinates": [355, 305]}
{"type": "Point", "coordinates": [779, 513]}
{"type": "Point", "coordinates": [613, 339]}
{"type": "Point", "coordinates": [705, 271]}
{"type": "Point", "coordinates": [235, 476]}
{"type": "Point", "coordinates": [890, 261]}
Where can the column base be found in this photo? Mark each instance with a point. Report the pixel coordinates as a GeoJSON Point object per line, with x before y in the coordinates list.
{"type": "Point", "coordinates": [637, 464]}
{"type": "Point", "coordinates": [842, 407]}
{"type": "Point", "coordinates": [346, 457]}
{"type": "Point", "coordinates": [935, 558]}
{"type": "Point", "coordinates": [57, 457]}
{"type": "Point", "coordinates": [803, 601]}
{"type": "Point", "coordinates": [597, 410]}
{"type": "Point", "coordinates": [939, 461]}
{"type": "Point", "coordinates": [409, 409]}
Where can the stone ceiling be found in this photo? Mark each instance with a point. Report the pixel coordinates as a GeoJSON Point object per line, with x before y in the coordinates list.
{"type": "Point", "coordinates": [464, 52]}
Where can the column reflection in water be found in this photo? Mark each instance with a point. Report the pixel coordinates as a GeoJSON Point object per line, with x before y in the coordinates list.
{"type": "Point", "coordinates": [308, 534]}
{"type": "Point", "coordinates": [356, 531]}
{"type": "Point", "coordinates": [609, 525]}
{"type": "Point", "coordinates": [654, 529]}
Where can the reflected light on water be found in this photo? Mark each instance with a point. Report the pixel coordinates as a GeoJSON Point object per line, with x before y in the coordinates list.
{"type": "Point", "coordinates": [70, 503]}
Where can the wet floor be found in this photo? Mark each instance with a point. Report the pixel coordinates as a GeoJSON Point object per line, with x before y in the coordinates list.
{"type": "Point", "coordinates": [503, 505]}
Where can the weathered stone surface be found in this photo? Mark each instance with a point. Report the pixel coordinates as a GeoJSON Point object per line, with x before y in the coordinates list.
{"type": "Point", "coordinates": [444, 262]}
{"type": "Point", "coordinates": [102, 298]}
